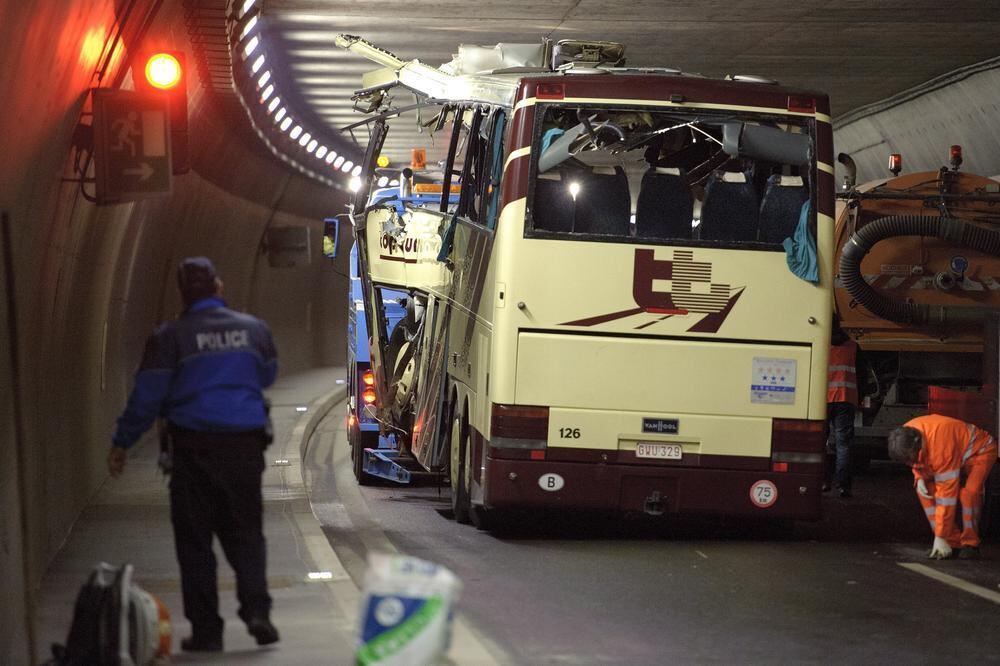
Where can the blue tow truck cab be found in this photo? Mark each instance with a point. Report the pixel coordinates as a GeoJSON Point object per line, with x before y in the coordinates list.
{"type": "Point", "coordinates": [374, 454]}
{"type": "Point", "coordinates": [362, 427]}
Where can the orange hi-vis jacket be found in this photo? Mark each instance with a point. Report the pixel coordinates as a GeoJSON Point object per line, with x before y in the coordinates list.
{"type": "Point", "coordinates": [950, 446]}
{"type": "Point", "coordinates": [842, 377]}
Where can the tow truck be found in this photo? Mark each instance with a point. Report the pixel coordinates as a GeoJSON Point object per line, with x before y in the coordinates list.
{"type": "Point", "coordinates": [377, 450]}
{"type": "Point", "coordinates": [918, 288]}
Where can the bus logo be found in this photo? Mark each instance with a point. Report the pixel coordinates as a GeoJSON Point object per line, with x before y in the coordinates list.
{"type": "Point", "coordinates": [690, 292]}
{"type": "Point", "coordinates": [660, 426]}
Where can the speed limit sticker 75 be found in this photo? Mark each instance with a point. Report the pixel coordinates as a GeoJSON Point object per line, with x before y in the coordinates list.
{"type": "Point", "coordinates": [763, 494]}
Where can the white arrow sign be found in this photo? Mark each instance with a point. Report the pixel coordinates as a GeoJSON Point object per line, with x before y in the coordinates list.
{"type": "Point", "coordinates": [144, 171]}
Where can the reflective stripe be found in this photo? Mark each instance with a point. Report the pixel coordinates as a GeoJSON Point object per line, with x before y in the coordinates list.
{"type": "Point", "coordinates": [929, 510]}
{"type": "Point", "coordinates": [947, 476]}
{"type": "Point", "coordinates": [843, 368]}
{"type": "Point", "coordinates": [972, 440]}
{"type": "Point", "coordinates": [843, 384]}
{"type": "Point", "coordinates": [990, 443]}
{"type": "Point", "coordinates": [946, 501]}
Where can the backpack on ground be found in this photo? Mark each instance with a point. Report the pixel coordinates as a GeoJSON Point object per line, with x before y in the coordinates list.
{"type": "Point", "coordinates": [115, 623]}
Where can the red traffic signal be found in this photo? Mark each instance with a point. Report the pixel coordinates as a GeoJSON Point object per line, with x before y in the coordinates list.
{"type": "Point", "coordinates": [164, 73]}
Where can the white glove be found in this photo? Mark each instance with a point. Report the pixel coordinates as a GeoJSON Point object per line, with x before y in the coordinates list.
{"type": "Point", "coordinates": [940, 550]}
{"type": "Point", "coordinates": [922, 489]}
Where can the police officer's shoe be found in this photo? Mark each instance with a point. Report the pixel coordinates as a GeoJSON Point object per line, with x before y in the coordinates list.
{"type": "Point", "coordinates": [201, 644]}
{"type": "Point", "coordinates": [262, 630]}
{"type": "Point", "coordinates": [969, 553]}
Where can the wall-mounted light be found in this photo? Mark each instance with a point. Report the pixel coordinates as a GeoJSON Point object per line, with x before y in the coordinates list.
{"type": "Point", "coordinates": [259, 88]}
{"type": "Point", "coordinates": [250, 25]}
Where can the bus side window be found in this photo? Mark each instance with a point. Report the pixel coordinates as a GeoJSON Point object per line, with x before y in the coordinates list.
{"type": "Point", "coordinates": [469, 154]}
{"type": "Point", "coordinates": [490, 189]}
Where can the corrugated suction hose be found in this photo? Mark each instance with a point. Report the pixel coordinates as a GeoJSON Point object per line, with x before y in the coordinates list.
{"type": "Point", "coordinates": [955, 231]}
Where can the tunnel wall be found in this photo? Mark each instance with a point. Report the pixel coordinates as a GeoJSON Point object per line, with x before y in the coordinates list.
{"type": "Point", "coordinates": [93, 281]}
{"type": "Point", "coordinates": [922, 123]}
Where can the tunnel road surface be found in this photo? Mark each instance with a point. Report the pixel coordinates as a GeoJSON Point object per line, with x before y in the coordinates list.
{"type": "Point", "coordinates": [581, 589]}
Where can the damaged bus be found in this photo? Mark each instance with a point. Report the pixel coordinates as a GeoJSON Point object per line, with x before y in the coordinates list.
{"type": "Point", "coordinates": [629, 307]}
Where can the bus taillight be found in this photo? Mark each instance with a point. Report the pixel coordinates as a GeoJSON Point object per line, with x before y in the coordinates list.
{"type": "Point", "coordinates": [519, 427]}
{"type": "Point", "coordinates": [801, 104]}
{"type": "Point", "coordinates": [550, 91]}
{"type": "Point", "coordinates": [368, 395]}
{"type": "Point", "coordinates": [797, 442]}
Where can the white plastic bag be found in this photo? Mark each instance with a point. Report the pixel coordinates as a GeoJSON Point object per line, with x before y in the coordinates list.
{"type": "Point", "coordinates": [406, 611]}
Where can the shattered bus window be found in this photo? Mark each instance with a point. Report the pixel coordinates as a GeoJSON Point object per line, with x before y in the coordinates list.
{"type": "Point", "coordinates": [687, 178]}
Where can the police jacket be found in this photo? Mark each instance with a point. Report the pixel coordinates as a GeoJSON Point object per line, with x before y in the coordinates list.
{"type": "Point", "coordinates": [205, 371]}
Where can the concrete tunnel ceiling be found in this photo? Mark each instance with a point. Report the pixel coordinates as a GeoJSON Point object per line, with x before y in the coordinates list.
{"type": "Point", "coordinates": [857, 51]}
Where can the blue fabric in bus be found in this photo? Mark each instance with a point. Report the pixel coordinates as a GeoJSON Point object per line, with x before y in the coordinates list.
{"type": "Point", "coordinates": [550, 136]}
{"type": "Point", "coordinates": [447, 239]}
{"type": "Point", "coordinates": [800, 249]}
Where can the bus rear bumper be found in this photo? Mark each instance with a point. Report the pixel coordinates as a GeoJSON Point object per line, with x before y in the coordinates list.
{"type": "Point", "coordinates": [652, 490]}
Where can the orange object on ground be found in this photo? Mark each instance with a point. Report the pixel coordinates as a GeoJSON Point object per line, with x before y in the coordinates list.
{"type": "Point", "coordinates": [842, 378]}
{"type": "Point", "coordinates": [953, 450]}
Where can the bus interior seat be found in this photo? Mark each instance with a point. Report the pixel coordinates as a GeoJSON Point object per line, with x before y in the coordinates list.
{"type": "Point", "coordinates": [553, 206]}
{"type": "Point", "coordinates": [604, 204]}
{"type": "Point", "coordinates": [665, 207]}
{"type": "Point", "coordinates": [780, 207]}
{"type": "Point", "coordinates": [730, 208]}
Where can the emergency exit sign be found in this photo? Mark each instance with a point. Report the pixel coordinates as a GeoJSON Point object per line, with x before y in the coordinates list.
{"type": "Point", "coordinates": [131, 146]}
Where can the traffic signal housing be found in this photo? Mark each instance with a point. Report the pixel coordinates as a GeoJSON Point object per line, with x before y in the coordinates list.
{"type": "Point", "coordinates": [164, 73]}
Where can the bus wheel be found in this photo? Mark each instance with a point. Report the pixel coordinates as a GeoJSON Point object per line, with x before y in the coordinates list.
{"type": "Point", "coordinates": [460, 504]}
{"type": "Point", "coordinates": [485, 519]}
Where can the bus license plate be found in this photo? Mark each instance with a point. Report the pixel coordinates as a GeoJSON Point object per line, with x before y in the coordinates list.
{"type": "Point", "coordinates": [656, 450]}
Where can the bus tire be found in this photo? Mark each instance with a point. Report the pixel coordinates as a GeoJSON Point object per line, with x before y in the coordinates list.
{"type": "Point", "coordinates": [485, 519]}
{"type": "Point", "coordinates": [460, 502]}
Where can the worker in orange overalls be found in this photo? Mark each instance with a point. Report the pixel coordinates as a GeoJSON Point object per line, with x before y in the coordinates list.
{"type": "Point", "coordinates": [841, 400]}
{"type": "Point", "coordinates": [943, 451]}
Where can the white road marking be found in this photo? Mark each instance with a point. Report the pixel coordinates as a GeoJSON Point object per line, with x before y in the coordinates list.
{"type": "Point", "coordinates": [702, 554]}
{"type": "Point", "coordinates": [955, 582]}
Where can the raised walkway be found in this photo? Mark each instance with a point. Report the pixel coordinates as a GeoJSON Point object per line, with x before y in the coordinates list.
{"type": "Point", "coordinates": [129, 521]}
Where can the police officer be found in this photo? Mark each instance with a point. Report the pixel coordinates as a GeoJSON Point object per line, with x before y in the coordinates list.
{"type": "Point", "coordinates": [205, 373]}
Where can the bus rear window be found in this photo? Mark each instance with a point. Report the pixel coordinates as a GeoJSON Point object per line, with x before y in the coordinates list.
{"type": "Point", "coordinates": [695, 177]}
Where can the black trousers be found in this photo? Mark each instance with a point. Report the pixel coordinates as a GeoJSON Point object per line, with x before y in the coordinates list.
{"type": "Point", "coordinates": [215, 488]}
